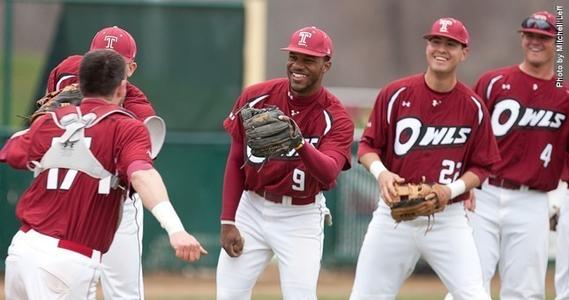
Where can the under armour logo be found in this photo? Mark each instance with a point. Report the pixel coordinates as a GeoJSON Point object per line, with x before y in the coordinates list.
{"type": "Point", "coordinates": [110, 41]}
{"type": "Point", "coordinates": [69, 144]}
{"type": "Point", "coordinates": [444, 25]}
{"type": "Point", "coordinates": [535, 86]}
{"type": "Point", "coordinates": [406, 103]}
{"type": "Point", "coordinates": [294, 112]}
{"type": "Point", "coordinates": [506, 86]}
{"type": "Point", "coordinates": [303, 36]}
{"type": "Point", "coordinates": [436, 102]}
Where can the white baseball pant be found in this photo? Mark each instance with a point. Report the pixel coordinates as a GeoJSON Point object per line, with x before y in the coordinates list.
{"type": "Point", "coordinates": [37, 269]}
{"type": "Point", "coordinates": [121, 276]}
{"type": "Point", "coordinates": [294, 233]}
{"type": "Point", "coordinates": [562, 254]}
{"type": "Point", "coordinates": [511, 230]}
{"type": "Point", "coordinates": [390, 252]}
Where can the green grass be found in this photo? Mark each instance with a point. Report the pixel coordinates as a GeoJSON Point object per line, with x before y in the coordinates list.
{"type": "Point", "coordinates": [26, 69]}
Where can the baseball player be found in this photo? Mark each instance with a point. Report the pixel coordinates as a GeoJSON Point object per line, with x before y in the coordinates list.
{"type": "Point", "coordinates": [276, 207]}
{"type": "Point", "coordinates": [122, 271]}
{"type": "Point", "coordinates": [528, 116]}
{"type": "Point", "coordinates": [84, 159]}
{"type": "Point", "coordinates": [434, 126]}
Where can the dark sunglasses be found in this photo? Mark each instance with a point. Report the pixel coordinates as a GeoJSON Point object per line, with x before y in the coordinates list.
{"type": "Point", "coordinates": [537, 23]}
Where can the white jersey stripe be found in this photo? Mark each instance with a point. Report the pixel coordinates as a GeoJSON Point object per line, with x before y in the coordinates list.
{"type": "Point", "coordinates": [491, 84]}
{"type": "Point", "coordinates": [480, 111]}
{"type": "Point", "coordinates": [328, 122]}
{"type": "Point", "coordinates": [391, 101]}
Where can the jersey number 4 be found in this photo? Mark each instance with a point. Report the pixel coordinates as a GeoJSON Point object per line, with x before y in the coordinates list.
{"type": "Point", "coordinates": [546, 155]}
{"type": "Point", "coordinates": [53, 176]}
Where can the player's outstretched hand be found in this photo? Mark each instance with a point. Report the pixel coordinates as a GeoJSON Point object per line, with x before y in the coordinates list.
{"type": "Point", "coordinates": [186, 246]}
{"type": "Point", "coordinates": [386, 181]}
{"type": "Point", "coordinates": [231, 240]}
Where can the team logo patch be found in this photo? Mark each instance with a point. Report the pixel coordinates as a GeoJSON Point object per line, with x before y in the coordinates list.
{"type": "Point", "coordinates": [411, 134]}
{"type": "Point", "coordinates": [509, 113]}
{"type": "Point", "coordinates": [302, 36]}
{"type": "Point", "coordinates": [110, 41]}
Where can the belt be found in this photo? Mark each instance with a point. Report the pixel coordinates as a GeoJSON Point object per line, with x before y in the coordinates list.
{"type": "Point", "coordinates": [285, 199]}
{"type": "Point", "coordinates": [66, 244]}
{"type": "Point", "coordinates": [507, 184]}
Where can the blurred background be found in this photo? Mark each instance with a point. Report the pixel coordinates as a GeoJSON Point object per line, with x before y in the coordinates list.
{"type": "Point", "coordinates": [194, 57]}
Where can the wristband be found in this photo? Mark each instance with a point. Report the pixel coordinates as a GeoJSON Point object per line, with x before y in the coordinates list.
{"type": "Point", "coordinates": [456, 188]}
{"type": "Point", "coordinates": [376, 168]}
{"type": "Point", "coordinates": [227, 222]}
{"type": "Point", "coordinates": [165, 214]}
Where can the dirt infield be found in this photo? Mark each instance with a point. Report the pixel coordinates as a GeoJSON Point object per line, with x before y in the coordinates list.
{"type": "Point", "coordinates": [333, 285]}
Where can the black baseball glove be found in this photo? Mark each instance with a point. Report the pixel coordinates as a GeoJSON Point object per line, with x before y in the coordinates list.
{"type": "Point", "coordinates": [269, 132]}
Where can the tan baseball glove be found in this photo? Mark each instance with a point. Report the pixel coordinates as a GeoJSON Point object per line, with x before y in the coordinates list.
{"type": "Point", "coordinates": [415, 200]}
{"type": "Point", "coordinates": [69, 95]}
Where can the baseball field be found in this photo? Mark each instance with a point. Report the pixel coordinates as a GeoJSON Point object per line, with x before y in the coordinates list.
{"type": "Point", "coordinates": [333, 285]}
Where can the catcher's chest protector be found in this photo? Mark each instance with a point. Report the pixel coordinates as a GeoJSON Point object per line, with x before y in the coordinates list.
{"type": "Point", "coordinates": [71, 150]}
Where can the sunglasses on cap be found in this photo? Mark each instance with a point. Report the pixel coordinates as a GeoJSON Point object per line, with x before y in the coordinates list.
{"type": "Point", "coordinates": [537, 24]}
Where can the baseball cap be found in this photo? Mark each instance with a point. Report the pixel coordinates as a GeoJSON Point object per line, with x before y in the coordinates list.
{"type": "Point", "coordinates": [450, 28]}
{"type": "Point", "coordinates": [541, 22]}
{"type": "Point", "coordinates": [117, 39]}
{"type": "Point", "coordinates": [310, 41]}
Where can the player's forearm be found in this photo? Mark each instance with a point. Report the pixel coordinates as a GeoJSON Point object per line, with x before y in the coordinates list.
{"type": "Point", "coordinates": [233, 182]}
{"type": "Point", "coordinates": [149, 185]}
{"type": "Point", "coordinates": [321, 166]}
{"type": "Point", "coordinates": [470, 179]}
{"type": "Point", "coordinates": [464, 184]}
{"type": "Point", "coordinates": [373, 163]}
{"type": "Point", "coordinates": [151, 189]}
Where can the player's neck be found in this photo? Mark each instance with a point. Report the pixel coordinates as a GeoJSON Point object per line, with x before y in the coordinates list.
{"type": "Point", "coordinates": [439, 82]}
{"type": "Point", "coordinates": [544, 71]}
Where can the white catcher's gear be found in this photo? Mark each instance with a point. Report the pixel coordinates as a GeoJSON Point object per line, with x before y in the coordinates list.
{"type": "Point", "coordinates": [71, 150]}
{"type": "Point", "coordinates": [157, 131]}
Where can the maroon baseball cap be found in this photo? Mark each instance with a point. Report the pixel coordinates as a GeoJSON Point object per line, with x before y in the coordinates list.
{"type": "Point", "coordinates": [541, 22]}
{"type": "Point", "coordinates": [450, 28]}
{"type": "Point", "coordinates": [117, 39]}
{"type": "Point", "coordinates": [310, 41]}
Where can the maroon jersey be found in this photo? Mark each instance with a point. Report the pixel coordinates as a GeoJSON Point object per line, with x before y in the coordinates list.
{"type": "Point", "coordinates": [66, 72]}
{"type": "Point", "coordinates": [75, 209]}
{"type": "Point", "coordinates": [419, 132]}
{"type": "Point", "coordinates": [528, 118]}
{"type": "Point", "coordinates": [323, 122]}
{"type": "Point", "coordinates": [565, 173]}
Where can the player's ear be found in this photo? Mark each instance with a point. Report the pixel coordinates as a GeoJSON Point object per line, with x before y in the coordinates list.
{"type": "Point", "coordinates": [327, 64]}
{"type": "Point", "coordinates": [130, 68]}
{"type": "Point", "coordinates": [465, 51]}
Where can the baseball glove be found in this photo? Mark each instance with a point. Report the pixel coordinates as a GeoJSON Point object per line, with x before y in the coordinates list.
{"type": "Point", "coordinates": [415, 200]}
{"type": "Point", "coordinates": [269, 132]}
{"type": "Point", "coordinates": [69, 95]}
